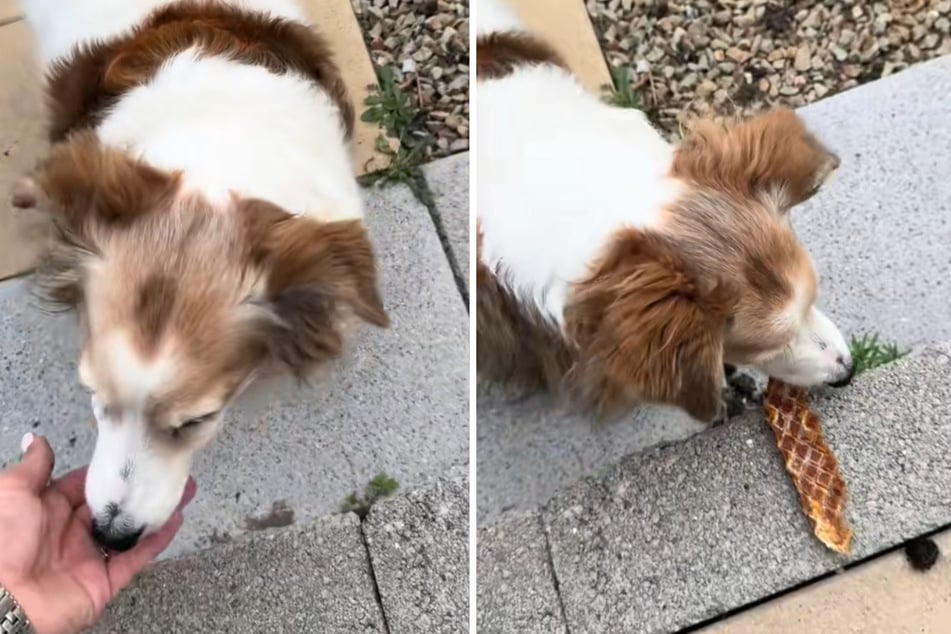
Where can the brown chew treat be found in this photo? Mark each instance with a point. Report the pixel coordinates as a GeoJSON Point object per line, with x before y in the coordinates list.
{"type": "Point", "coordinates": [810, 463]}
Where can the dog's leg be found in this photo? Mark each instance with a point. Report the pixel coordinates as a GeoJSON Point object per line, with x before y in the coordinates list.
{"type": "Point", "coordinates": [744, 390]}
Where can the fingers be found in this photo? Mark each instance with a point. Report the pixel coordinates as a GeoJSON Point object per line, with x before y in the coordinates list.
{"type": "Point", "coordinates": [36, 466]}
{"type": "Point", "coordinates": [73, 486]}
{"type": "Point", "coordinates": [124, 566]}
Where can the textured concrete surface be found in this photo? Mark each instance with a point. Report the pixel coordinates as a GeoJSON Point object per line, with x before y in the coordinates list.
{"type": "Point", "coordinates": [419, 548]}
{"type": "Point", "coordinates": [516, 591]}
{"type": "Point", "coordinates": [878, 233]}
{"type": "Point", "coordinates": [398, 403]}
{"type": "Point", "coordinates": [676, 535]}
{"type": "Point", "coordinates": [448, 179]}
{"type": "Point", "coordinates": [885, 595]}
{"type": "Point", "coordinates": [301, 580]}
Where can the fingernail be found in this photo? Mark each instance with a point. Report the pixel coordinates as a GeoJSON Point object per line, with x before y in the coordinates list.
{"type": "Point", "coordinates": [26, 441]}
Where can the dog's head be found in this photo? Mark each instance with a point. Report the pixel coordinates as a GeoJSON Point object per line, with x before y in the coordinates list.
{"type": "Point", "coordinates": [183, 302]}
{"type": "Point", "coordinates": [723, 279]}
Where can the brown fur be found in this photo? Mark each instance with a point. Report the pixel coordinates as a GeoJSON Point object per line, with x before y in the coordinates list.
{"type": "Point", "coordinates": [661, 312]}
{"type": "Point", "coordinates": [769, 153]}
{"type": "Point", "coordinates": [499, 54]}
{"type": "Point", "coordinates": [649, 328]}
{"type": "Point", "coordinates": [85, 85]}
{"type": "Point", "coordinates": [515, 344]}
{"type": "Point", "coordinates": [221, 292]}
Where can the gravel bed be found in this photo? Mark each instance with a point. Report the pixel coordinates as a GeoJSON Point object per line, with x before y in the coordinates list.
{"type": "Point", "coordinates": [426, 42]}
{"type": "Point", "coordinates": [729, 57]}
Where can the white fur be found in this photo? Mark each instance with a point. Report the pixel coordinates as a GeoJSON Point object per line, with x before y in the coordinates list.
{"type": "Point", "coordinates": [559, 172]}
{"type": "Point", "coordinates": [237, 128]}
{"type": "Point", "coordinates": [60, 25]}
{"type": "Point", "coordinates": [819, 354]}
{"type": "Point", "coordinates": [132, 470]}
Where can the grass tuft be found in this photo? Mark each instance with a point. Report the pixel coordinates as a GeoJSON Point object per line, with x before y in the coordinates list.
{"type": "Point", "coordinates": [623, 93]}
{"type": "Point", "coordinates": [381, 486]}
{"type": "Point", "coordinates": [868, 352]}
{"type": "Point", "coordinates": [391, 108]}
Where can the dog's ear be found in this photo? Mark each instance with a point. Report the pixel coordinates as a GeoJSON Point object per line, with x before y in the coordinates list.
{"type": "Point", "coordinates": [771, 153]}
{"type": "Point", "coordinates": [83, 182]}
{"type": "Point", "coordinates": [649, 330]}
{"type": "Point", "coordinates": [85, 189]}
{"type": "Point", "coordinates": [314, 273]}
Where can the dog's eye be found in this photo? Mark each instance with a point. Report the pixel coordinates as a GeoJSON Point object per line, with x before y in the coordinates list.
{"type": "Point", "coordinates": [191, 423]}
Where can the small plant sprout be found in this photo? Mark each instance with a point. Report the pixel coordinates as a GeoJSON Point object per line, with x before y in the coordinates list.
{"type": "Point", "coordinates": [868, 352]}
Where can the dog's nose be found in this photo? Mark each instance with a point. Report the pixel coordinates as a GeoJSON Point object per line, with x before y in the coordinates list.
{"type": "Point", "coordinates": [849, 373]}
{"type": "Point", "coordinates": [114, 537]}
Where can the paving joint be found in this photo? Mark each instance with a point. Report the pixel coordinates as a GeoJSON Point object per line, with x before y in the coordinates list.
{"type": "Point", "coordinates": [376, 584]}
{"type": "Point", "coordinates": [424, 194]}
{"type": "Point", "coordinates": [554, 574]}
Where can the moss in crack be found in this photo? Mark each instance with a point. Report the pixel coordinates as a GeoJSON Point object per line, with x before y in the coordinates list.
{"type": "Point", "coordinates": [381, 486]}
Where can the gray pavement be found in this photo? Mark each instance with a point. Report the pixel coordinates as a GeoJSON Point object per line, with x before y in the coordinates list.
{"type": "Point", "coordinates": [675, 535]}
{"type": "Point", "coordinates": [313, 578]}
{"type": "Point", "coordinates": [403, 569]}
{"type": "Point", "coordinates": [398, 403]}
{"type": "Point", "coordinates": [516, 588]}
{"type": "Point", "coordinates": [419, 548]}
{"type": "Point", "coordinates": [448, 180]}
{"type": "Point", "coordinates": [878, 233]}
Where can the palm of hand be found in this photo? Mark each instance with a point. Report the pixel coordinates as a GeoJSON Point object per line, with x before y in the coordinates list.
{"type": "Point", "coordinates": [50, 563]}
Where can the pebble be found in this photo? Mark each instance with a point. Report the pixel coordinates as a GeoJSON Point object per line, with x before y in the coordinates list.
{"type": "Point", "coordinates": [426, 41]}
{"type": "Point", "coordinates": [705, 56]}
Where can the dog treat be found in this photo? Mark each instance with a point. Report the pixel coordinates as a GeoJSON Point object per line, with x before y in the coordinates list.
{"type": "Point", "coordinates": [811, 464]}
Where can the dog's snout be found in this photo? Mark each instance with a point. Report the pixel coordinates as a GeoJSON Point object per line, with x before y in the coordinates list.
{"type": "Point", "coordinates": [849, 367]}
{"type": "Point", "coordinates": [113, 536]}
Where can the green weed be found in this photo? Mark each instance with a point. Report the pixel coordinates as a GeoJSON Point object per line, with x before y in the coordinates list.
{"type": "Point", "coordinates": [868, 352]}
{"type": "Point", "coordinates": [379, 487]}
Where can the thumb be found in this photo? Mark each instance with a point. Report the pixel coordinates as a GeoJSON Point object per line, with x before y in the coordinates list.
{"type": "Point", "coordinates": [36, 466]}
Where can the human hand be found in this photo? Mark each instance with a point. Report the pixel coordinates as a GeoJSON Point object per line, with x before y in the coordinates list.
{"type": "Point", "coordinates": [49, 561]}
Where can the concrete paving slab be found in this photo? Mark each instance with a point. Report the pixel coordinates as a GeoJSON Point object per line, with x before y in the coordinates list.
{"type": "Point", "coordinates": [884, 595]}
{"type": "Point", "coordinates": [677, 535]}
{"type": "Point", "coordinates": [398, 403]}
{"type": "Point", "coordinates": [22, 141]}
{"type": "Point", "coordinates": [419, 548]}
{"type": "Point", "coordinates": [516, 590]}
{"type": "Point", "coordinates": [878, 233]}
{"type": "Point", "coordinates": [448, 179]}
{"type": "Point", "coordinates": [308, 579]}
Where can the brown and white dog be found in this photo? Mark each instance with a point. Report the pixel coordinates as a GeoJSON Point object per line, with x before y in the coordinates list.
{"type": "Point", "coordinates": [619, 269]}
{"type": "Point", "coordinates": [207, 223]}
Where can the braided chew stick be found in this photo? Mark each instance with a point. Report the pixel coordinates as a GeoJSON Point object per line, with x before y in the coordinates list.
{"type": "Point", "coordinates": [810, 463]}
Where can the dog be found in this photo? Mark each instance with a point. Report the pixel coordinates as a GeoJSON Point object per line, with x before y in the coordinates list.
{"type": "Point", "coordinates": [206, 224]}
{"type": "Point", "coordinates": [618, 269]}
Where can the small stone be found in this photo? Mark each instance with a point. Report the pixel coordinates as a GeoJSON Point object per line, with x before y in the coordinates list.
{"type": "Point", "coordinates": [706, 88]}
{"type": "Point", "coordinates": [689, 81]}
{"type": "Point", "coordinates": [839, 53]}
{"type": "Point", "coordinates": [763, 85]}
{"type": "Point", "coordinates": [930, 41]}
{"type": "Point", "coordinates": [737, 55]}
{"type": "Point", "coordinates": [803, 60]}
{"type": "Point", "coordinates": [821, 91]}
{"type": "Point", "coordinates": [436, 72]}
{"type": "Point", "coordinates": [787, 91]}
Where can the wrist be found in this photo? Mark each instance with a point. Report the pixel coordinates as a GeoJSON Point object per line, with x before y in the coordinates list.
{"type": "Point", "coordinates": [13, 618]}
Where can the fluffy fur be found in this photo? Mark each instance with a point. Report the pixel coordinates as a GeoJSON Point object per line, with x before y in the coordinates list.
{"type": "Point", "coordinates": [207, 225]}
{"type": "Point", "coordinates": [619, 269]}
